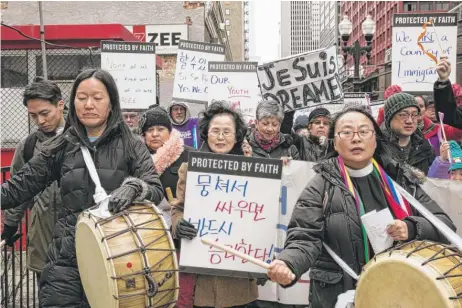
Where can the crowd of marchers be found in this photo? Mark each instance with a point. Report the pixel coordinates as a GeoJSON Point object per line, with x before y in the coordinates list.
{"type": "Point", "coordinates": [144, 156]}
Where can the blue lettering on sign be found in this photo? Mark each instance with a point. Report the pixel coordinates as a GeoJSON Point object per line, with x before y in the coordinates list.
{"type": "Point", "coordinates": [420, 74]}
{"type": "Point", "coordinates": [221, 80]}
{"type": "Point", "coordinates": [284, 200]}
{"type": "Point", "coordinates": [211, 226]}
{"type": "Point", "coordinates": [402, 37]}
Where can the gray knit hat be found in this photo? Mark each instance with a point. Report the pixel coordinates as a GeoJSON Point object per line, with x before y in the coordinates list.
{"type": "Point", "coordinates": [396, 103]}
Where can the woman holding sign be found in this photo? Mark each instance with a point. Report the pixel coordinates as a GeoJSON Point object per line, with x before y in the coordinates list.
{"type": "Point", "coordinates": [223, 131]}
{"type": "Point", "coordinates": [266, 140]}
{"type": "Point", "coordinates": [328, 211]}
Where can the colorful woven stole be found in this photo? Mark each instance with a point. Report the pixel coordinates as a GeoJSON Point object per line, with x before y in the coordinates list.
{"type": "Point", "coordinates": [398, 205]}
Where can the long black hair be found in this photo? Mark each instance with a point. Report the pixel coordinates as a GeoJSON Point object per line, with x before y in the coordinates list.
{"type": "Point", "coordinates": [114, 119]}
{"type": "Point", "coordinates": [381, 151]}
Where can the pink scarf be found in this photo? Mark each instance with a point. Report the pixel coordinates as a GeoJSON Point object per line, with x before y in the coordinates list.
{"type": "Point", "coordinates": [267, 146]}
{"type": "Point", "coordinates": [167, 154]}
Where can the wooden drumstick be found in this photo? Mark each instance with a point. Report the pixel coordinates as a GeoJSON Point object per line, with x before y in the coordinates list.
{"type": "Point", "coordinates": [236, 253]}
{"type": "Point", "coordinates": [168, 190]}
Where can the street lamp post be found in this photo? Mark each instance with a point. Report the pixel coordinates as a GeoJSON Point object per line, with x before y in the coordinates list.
{"type": "Point", "coordinates": [345, 28]}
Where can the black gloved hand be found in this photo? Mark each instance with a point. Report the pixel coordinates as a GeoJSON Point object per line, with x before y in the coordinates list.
{"type": "Point", "coordinates": [10, 235]}
{"type": "Point", "coordinates": [262, 281]}
{"type": "Point", "coordinates": [185, 229]}
{"type": "Point", "coordinates": [123, 197]}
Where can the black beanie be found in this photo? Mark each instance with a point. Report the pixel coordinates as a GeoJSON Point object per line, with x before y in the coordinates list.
{"type": "Point", "coordinates": [156, 116]}
{"type": "Point", "coordinates": [301, 122]}
{"type": "Point", "coordinates": [318, 112]}
{"type": "Point", "coordinates": [396, 103]}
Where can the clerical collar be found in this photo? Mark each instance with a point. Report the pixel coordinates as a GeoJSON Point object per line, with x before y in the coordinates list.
{"type": "Point", "coordinates": [359, 173]}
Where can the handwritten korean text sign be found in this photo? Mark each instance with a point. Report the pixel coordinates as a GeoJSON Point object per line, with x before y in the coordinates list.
{"type": "Point", "coordinates": [233, 200]}
{"type": "Point", "coordinates": [133, 66]}
{"type": "Point", "coordinates": [191, 75]}
{"type": "Point", "coordinates": [412, 69]}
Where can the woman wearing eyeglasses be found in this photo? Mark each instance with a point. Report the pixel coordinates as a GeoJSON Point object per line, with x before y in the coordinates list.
{"type": "Point", "coordinates": [222, 131]}
{"type": "Point", "coordinates": [406, 143]}
{"type": "Point", "coordinates": [347, 186]}
{"type": "Point", "coordinates": [266, 139]}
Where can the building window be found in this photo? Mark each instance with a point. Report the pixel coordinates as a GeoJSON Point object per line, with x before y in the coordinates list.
{"type": "Point", "coordinates": [425, 6]}
{"type": "Point", "coordinates": [227, 22]}
{"type": "Point", "coordinates": [227, 11]}
{"type": "Point", "coordinates": [410, 6]}
{"type": "Point", "coordinates": [66, 67]}
{"type": "Point", "coordinates": [442, 5]}
{"type": "Point", "coordinates": [14, 71]}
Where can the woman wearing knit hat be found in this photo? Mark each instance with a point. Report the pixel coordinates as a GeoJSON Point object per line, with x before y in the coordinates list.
{"type": "Point", "coordinates": [406, 143]}
{"type": "Point", "coordinates": [168, 152]}
{"type": "Point", "coordinates": [442, 168]}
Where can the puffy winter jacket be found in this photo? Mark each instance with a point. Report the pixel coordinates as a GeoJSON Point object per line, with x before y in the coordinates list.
{"type": "Point", "coordinates": [439, 169]}
{"type": "Point", "coordinates": [338, 225]}
{"type": "Point", "coordinates": [60, 281]}
{"type": "Point", "coordinates": [311, 150]}
{"type": "Point", "coordinates": [286, 148]}
{"type": "Point", "coordinates": [445, 102]}
{"type": "Point", "coordinates": [432, 132]}
{"type": "Point", "coordinates": [420, 154]}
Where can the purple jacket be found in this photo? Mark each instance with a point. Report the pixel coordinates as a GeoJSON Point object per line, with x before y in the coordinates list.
{"type": "Point", "coordinates": [439, 169]}
{"type": "Point", "coordinates": [189, 129]}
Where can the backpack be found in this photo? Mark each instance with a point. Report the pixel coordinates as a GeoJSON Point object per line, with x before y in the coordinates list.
{"type": "Point", "coordinates": [29, 146]}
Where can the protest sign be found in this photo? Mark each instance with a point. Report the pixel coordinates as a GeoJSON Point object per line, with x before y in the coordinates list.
{"type": "Point", "coordinates": [295, 177]}
{"type": "Point", "coordinates": [355, 99]}
{"type": "Point", "coordinates": [133, 66]}
{"type": "Point", "coordinates": [224, 201]}
{"type": "Point", "coordinates": [191, 82]}
{"type": "Point", "coordinates": [303, 80]}
{"type": "Point", "coordinates": [416, 50]}
{"type": "Point", "coordinates": [448, 195]}
{"type": "Point", "coordinates": [237, 83]}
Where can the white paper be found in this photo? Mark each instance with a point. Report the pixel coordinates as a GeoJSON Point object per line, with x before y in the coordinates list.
{"type": "Point", "coordinates": [376, 224]}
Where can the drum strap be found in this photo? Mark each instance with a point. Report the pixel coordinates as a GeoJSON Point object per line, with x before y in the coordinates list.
{"type": "Point", "coordinates": [101, 198]}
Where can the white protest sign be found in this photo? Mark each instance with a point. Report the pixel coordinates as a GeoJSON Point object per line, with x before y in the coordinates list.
{"type": "Point", "coordinates": [448, 195]}
{"type": "Point", "coordinates": [412, 68]}
{"type": "Point", "coordinates": [191, 82]}
{"type": "Point", "coordinates": [303, 80]}
{"type": "Point", "coordinates": [133, 66]}
{"type": "Point", "coordinates": [236, 82]}
{"type": "Point", "coordinates": [224, 201]}
{"type": "Point", "coordinates": [353, 99]}
{"type": "Point", "coordinates": [295, 177]}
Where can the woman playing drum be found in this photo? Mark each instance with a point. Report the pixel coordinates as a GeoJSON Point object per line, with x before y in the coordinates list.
{"type": "Point", "coordinates": [123, 164]}
{"type": "Point", "coordinates": [329, 209]}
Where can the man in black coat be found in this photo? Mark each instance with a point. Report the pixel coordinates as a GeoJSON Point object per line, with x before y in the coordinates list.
{"type": "Point", "coordinates": [406, 143]}
{"type": "Point", "coordinates": [445, 101]}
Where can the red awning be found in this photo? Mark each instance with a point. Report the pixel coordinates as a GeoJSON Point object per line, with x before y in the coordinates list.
{"type": "Point", "coordinates": [79, 36]}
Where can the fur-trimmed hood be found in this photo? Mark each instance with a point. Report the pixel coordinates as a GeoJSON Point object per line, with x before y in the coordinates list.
{"type": "Point", "coordinates": [167, 154]}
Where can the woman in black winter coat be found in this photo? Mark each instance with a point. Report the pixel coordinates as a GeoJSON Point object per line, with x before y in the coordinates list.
{"type": "Point", "coordinates": [168, 152]}
{"type": "Point", "coordinates": [123, 164]}
{"type": "Point", "coordinates": [266, 139]}
{"type": "Point", "coordinates": [167, 148]}
{"type": "Point", "coordinates": [327, 212]}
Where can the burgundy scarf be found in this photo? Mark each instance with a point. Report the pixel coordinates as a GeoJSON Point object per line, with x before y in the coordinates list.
{"type": "Point", "coordinates": [267, 146]}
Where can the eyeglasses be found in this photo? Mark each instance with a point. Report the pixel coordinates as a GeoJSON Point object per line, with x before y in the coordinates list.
{"type": "Point", "coordinates": [363, 134]}
{"type": "Point", "coordinates": [217, 132]}
{"type": "Point", "coordinates": [403, 116]}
